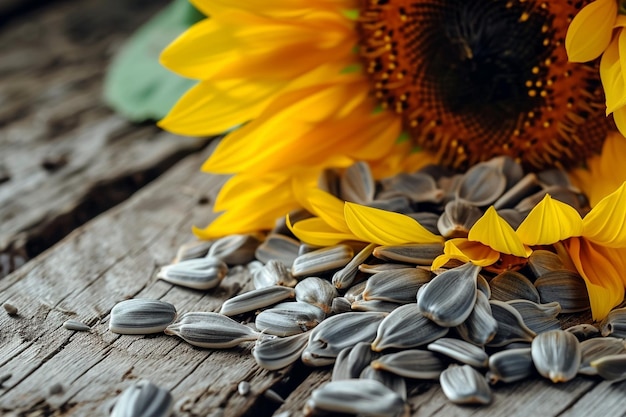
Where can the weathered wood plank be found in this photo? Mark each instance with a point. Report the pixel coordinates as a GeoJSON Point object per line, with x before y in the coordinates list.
{"type": "Point", "coordinates": [64, 157]}
{"type": "Point", "coordinates": [113, 258]}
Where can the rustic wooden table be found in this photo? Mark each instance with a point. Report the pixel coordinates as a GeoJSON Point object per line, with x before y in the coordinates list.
{"type": "Point", "coordinates": [69, 165]}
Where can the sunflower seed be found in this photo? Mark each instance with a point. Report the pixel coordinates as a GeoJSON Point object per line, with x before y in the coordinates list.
{"type": "Point", "coordinates": [143, 399]}
{"type": "Point", "coordinates": [316, 291]}
{"type": "Point", "coordinates": [482, 184]}
{"type": "Point", "coordinates": [594, 349]}
{"type": "Point", "coordinates": [374, 305]}
{"type": "Point", "coordinates": [322, 260]}
{"type": "Point", "coordinates": [272, 352]}
{"type": "Point", "coordinates": [355, 292]}
{"type": "Point", "coordinates": [398, 204]}
{"type": "Point", "coordinates": [556, 355]}
{"type": "Point", "coordinates": [538, 317]}
{"type": "Point", "coordinates": [406, 327]}
{"type": "Point", "coordinates": [277, 248]}
{"type": "Point", "coordinates": [376, 268]}
{"type": "Point", "coordinates": [76, 325]}
{"type": "Point", "coordinates": [584, 331]}
{"type": "Point", "coordinates": [193, 250]}
{"type": "Point", "coordinates": [337, 333]}
{"type": "Point", "coordinates": [141, 316]}
{"type": "Point", "coordinates": [511, 327]}
{"type": "Point", "coordinates": [340, 305]}
{"type": "Point", "coordinates": [355, 396]}
{"type": "Point", "coordinates": [611, 368]}
{"type": "Point", "coordinates": [511, 285]}
{"type": "Point", "coordinates": [418, 187]}
{"type": "Point", "coordinates": [286, 319]}
{"type": "Point", "coordinates": [392, 381]}
{"type": "Point", "coordinates": [461, 351]}
{"type": "Point", "coordinates": [211, 330]}
{"type": "Point", "coordinates": [256, 299]}
{"type": "Point", "coordinates": [412, 363]}
{"type": "Point", "coordinates": [235, 249]}
{"type": "Point", "coordinates": [273, 273]}
{"type": "Point", "coordinates": [357, 184]}
{"type": "Point", "coordinates": [450, 297]}
{"type": "Point", "coordinates": [397, 286]}
{"type": "Point", "coordinates": [483, 286]}
{"type": "Point", "coordinates": [528, 185]}
{"type": "Point", "coordinates": [510, 365]}
{"type": "Point", "coordinates": [352, 361]}
{"type": "Point", "coordinates": [427, 220]}
{"type": "Point", "coordinates": [464, 385]}
{"type": "Point", "coordinates": [614, 324]}
{"type": "Point", "coordinates": [199, 274]}
{"type": "Point", "coordinates": [480, 327]}
{"type": "Point", "coordinates": [10, 309]}
{"type": "Point", "coordinates": [566, 288]}
{"type": "Point", "coordinates": [542, 261]}
{"type": "Point", "coordinates": [345, 276]}
{"type": "Point", "coordinates": [417, 254]}
{"type": "Point", "coordinates": [458, 217]}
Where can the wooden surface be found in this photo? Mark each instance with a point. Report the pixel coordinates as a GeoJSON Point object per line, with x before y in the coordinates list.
{"type": "Point", "coordinates": [56, 372]}
{"type": "Point", "coordinates": [64, 157]}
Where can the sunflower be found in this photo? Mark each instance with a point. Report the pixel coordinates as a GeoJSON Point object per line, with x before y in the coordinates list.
{"type": "Point", "coordinates": [307, 85]}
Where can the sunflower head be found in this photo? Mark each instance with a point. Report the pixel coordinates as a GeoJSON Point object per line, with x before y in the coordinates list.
{"type": "Point", "coordinates": [475, 79]}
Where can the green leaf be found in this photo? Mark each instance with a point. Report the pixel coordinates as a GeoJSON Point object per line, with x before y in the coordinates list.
{"type": "Point", "coordinates": [136, 85]}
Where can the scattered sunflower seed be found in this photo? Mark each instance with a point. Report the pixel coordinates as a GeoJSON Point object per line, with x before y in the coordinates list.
{"type": "Point", "coordinates": [556, 355]}
{"type": "Point", "coordinates": [464, 385]}
{"type": "Point", "coordinates": [141, 316]}
{"type": "Point", "coordinates": [211, 330]}
{"type": "Point", "coordinates": [143, 399]}
{"type": "Point", "coordinates": [200, 274]}
{"type": "Point", "coordinates": [243, 388]}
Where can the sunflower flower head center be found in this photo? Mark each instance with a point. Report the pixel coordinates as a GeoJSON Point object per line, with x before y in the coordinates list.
{"type": "Point", "coordinates": [476, 79]}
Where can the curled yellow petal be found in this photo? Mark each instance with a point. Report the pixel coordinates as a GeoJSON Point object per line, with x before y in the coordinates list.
{"type": "Point", "coordinates": [466, 251]}
{"type": "Point", "coordinates": [315, 231]}
{"type": "Point", "coordinates": [324, 205]}
{"type": "Point", "coordinates": [605, 224]}
{"type": "Point", "coordinates": [549, 222]}
{"type": "Point", "coordinates": [493, 231]}
{"type": "Point", "coordinates": [601, 268]}
{"type": "Point", "coordinates": [590, 32]}
{"type": "Point", "coordinates": [385, 227]}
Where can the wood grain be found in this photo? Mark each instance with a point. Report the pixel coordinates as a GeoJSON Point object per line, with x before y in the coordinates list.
{"type": "Point", "coordinates": [64, 157]}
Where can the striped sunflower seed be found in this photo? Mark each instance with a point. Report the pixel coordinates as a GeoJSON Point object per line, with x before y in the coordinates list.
{"type": "Point", "coordinates": [199, 274]}
{"type": "Point", "coordinates": [235, 249]}
{"type": "Point", "coordinates": [322, 260]}
{"type": "Point", "coordinates": [615, 323]}
{"type": "Point", "coordinates": [556, 355]}
{"type": "Point", "coordinates": [480, 327]}
{"type": "Point", "coordinates": [316, 291]}
{"type": "Point", "coordinates": [255, 299]}
{"type": "Point", "coordinates": [345, 276]}
{"type": "Point", "coordinates": [593, 349]}
{"type": "Point", "coordinates": [76, 325]}
{"type": "Point", "coordinates": [397, 286]}
{"type": "Point", "coordinates": [464, 385]}
{"type": "Point", "coordinates": [412, 363]}
{"type": "Point", "coordinates": [511, 327]}
{"type": "Point", "coordinates": [211, 330]}
{"type": "Point", "coordinates": [272, 352]}
{"type": "Point", "coordinates": [355, 396]}
{"type": "Point", "coordinates": [286, 319]}
{"type": "Point", "coordinates": [141, 316]}
{"type": "Point", "coordinates": [273, 273]}
{"type": "Point", "coordinates": [511, 285]}
{"type": "Point", "coordinates": [416, 254]}
{"type": "Point", "coordinates": [143, 399]}
{"type": "Point", "coordinates": [449, 298]}
{"type": "Point", "coordinates": [351, 361]}
{"type": "Point", "coordinates": [392, 381]}
{"type": "Point", "coordinates": [461, 351]}
{"type": "Point", "coordinates": [510, 365]}
{"type": "Point", "coordinates": [611, 368]}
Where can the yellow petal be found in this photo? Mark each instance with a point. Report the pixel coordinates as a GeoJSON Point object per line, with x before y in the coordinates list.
{"type": "Point", "coordinates": [466, 251]}
{"type": "Point", "coordinates": [612, 75]}
{"type": "Point", "coordinates": [316, 231]}
{"type": "Point", "coordinates": [590, 32]}
{"type": "Point", "coordinates": [325, 206]}
{"type": "Point", "coordinates": [619, 116]}
{"type": "Point", "coordinates": [549, 222]}
{"type": "Point", "coordinates": [605, 172]}
{"type": "Point", "coordinates": [493, 231]}
{"type": "Point", "coordinates": [605, 224]}
{"type": "Point", "coordinates": [385, 227]}
{"type": "Point", "coordinates": [602, 269]}
{"type": "Point", "coordinates": [212, 48]}
{"type": "Point", "coordinates": [212, 108]}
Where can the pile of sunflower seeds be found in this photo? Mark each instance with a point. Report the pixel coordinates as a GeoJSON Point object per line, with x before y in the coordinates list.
{"type": "Point", "coordinates": [379, 315]}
